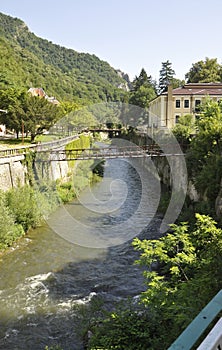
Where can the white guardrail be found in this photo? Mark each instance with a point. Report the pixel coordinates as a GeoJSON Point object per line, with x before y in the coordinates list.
{"type": "Point", "coordinates": [214, 339]}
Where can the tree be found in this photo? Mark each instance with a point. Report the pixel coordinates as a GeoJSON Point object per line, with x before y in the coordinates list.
{"type": "Point", "coordinates": [142, 96]}
{"type": "Point", "coordinates": [39, 114]}
{"type": "Point", "coordinates": [143, 91]}
{"type": "Point", "coordinates": [11, 100]}
{"type": "Point", "coordinates": [166, 76]}
{"type": "Point", "coordinates": [207, 71]}
{"type": "Point", "coordinates": [142, 80]}
{"type": "Point", "coordinates": [31, 113]}
{"type": "Point", "coordinates": [184, 129]}
{"type": "Point", "coordinates": [204, 158]}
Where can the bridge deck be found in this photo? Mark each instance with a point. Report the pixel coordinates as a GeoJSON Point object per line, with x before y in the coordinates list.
{"type": "Point", "coordinates": [106, 153]}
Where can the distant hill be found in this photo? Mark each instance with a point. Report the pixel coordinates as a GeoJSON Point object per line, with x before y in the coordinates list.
{"type": "Point", "coordinates": [29, 61]}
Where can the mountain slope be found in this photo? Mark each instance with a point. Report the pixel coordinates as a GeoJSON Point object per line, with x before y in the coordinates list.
{"type": "Point", "coordinates": [27, 60]}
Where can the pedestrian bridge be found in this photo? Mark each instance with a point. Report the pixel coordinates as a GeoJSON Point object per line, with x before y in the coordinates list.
{"type": "Point", "coordinates": [108, 153]}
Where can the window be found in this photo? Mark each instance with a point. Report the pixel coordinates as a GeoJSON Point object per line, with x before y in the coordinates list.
{"type": "Point", "coordinates": [177, 118]}
{"type": "Point", "coordinates": [186, 103]}
{"type": "Point", "coordinates": [197, 105]}
{"type": "Point", "coordinates": [177, 103]}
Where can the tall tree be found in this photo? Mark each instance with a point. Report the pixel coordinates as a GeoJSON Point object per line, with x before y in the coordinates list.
{"type": "Point", "coordinates": [204, 159]}
{"type": "Point", "coordinates": [207, 71]}
{"type": "Point", "coordinates": [143, 80]}
{"type": "Point", "coordinates": [39, 114]}
{"type": "Point", "coordinates": [143, 90]}
{"type": "Point", "coordinates": [11, 100]}
{"type": "Point", "coordinates": [166, 76]}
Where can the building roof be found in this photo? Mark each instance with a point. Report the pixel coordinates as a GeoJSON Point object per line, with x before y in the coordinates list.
{"type": "Point", "coordinates": [198, 89]}
{"type": "Point", "coordinates": [37, 92]}
{"type": "Point", "coordinates": [40, 92]}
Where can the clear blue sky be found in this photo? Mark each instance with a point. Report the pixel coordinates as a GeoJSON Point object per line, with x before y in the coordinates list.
{"type": "Point", "coordinates": [129, 34]}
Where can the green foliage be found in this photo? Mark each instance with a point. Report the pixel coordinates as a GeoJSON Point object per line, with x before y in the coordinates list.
{"type": "Point", "coordinates": [82, 172]}
{"type": "Point", "coordinates": [38, 115]}
{"type": "Point", "coordinates": [184, 129]}
{"type": "Point", "coordinates": [166, 76]}
{"type": "Point", "coordinates": [183, 264]}
{"type": "Point", "coordinates": [22, 201]}
{"type": "Point", "coordinates": [9, 229]}
{"type": "Point", "coordinates": [32, 114]}
{"type": "Point", "coordinates": [98, 168]}
{"type": "Point", "coordinates": [179, 266]}
{"type": "Point", "coordinates": [27, 60]}
{"type": "Point", "coordinates": [143, 91]}
{"type": "Point", "coordinates": [83, 142]}
{"type": "Point", "coordinates": [207, 71]}
{"type": "Point", "coordinates": [128, 327]}
{"type": "Point", "coordinates": [204, 157]}
{"type": "Point", "coordinates": [66, 191]}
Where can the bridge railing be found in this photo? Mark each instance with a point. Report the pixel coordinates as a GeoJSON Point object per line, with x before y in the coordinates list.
{"type": "Point", "coordinates": [196, 328]}
{"type": "Point", "coordinates": [10, 152]}
{"type": "Point", "coordinates": [107, 152]}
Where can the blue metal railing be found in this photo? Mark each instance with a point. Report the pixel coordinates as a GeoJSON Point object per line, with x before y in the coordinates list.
{"type": "Point", "coordinates": [192, 333]}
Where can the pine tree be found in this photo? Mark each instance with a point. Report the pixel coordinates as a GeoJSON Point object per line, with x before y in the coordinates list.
{"type": "Point", "coordinates": [166, 76]}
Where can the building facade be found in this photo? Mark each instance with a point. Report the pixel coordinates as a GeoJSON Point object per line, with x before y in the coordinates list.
{"type": "Point", "coordinates": [165, 109]}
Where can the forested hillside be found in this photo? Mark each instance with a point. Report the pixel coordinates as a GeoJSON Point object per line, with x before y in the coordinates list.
{"type": "Point", "coordinates": [27, 60]}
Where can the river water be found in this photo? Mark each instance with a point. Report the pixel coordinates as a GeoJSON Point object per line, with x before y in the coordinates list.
{"type": "Point", "coordinates": [48, 274]}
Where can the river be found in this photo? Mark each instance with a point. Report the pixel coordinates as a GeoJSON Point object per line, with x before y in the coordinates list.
{"type": "Point", "coordinates": [47, 274]}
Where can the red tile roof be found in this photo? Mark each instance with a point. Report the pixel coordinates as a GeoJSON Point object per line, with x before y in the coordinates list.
{"type": "Point", "coordinates": [198, 89]}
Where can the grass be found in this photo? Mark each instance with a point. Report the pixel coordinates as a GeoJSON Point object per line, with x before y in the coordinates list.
{"type": "Point", "coordinates": [47, 138]}
{"type": "Point", "coordinates": [13, 142]}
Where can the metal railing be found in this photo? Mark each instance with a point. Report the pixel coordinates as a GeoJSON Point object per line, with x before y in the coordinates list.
{"type": "Point", "coordinates": [10, 152]}
{"type": "Point", "coordinates": [214, 339]}
{"type": "Point", "coordinates": [193, 332]}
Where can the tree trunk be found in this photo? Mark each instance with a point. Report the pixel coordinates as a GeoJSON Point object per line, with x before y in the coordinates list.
{"type": "Point", "coordinates": [32, 137]}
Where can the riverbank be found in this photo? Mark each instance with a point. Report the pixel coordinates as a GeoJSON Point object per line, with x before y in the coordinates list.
{"type": "Point", "coordinates": [26, 206]}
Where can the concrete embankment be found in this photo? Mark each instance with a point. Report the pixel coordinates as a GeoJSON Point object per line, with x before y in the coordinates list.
{"type": "Point", "coordinates": [18, 165]}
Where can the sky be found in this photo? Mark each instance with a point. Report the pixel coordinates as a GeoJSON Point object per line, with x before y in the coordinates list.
{"type": "Point", "coordinates": [129, 34]}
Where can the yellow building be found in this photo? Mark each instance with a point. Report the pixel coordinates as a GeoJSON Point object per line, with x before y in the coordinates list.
{"type": "Point", "coordinates": [165, 109]}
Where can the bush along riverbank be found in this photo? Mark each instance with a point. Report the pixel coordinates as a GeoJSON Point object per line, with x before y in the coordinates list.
{"type": "Point", "coordinates": [25, 207]}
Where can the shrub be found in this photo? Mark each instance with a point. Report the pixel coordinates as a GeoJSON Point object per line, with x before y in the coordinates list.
{"type": "Point", "coordinates": [22, 202]}
{"type": "Point", "coordinates": [9, 231]}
